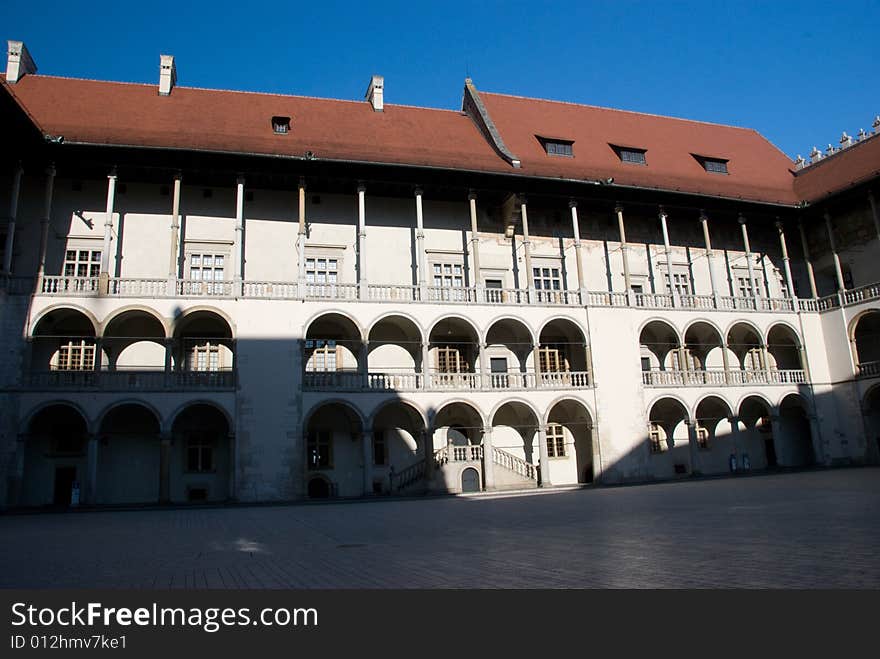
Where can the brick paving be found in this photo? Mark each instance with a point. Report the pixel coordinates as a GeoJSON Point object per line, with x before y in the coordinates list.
{"type": "Point", "coordinates": [810, 529]}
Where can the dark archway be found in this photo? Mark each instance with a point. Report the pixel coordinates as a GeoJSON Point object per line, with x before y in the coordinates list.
{"type": "Point", "coordinates": [55, 457]}
{"type": "Point", "coordinates": [129, 456]}
{"type": "Point", "coordinates": [201, 462]}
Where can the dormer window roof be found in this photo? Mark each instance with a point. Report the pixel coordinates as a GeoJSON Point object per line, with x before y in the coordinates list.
{"type": "Point", "coordinates": [712, 165]}
{"type": "Point", "coordinates": [555, 146]}
{"type": "Point", "coordinates": [281, 125]}
{"type": "Point", "coordinates": [630, 154]}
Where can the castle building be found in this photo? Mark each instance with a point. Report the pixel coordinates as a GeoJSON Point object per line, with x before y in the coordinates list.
{"type": "Point", "coordinates": [214, 295]}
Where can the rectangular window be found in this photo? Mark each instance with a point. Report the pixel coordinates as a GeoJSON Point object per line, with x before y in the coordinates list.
{"type": "Point", "coordinates": [451, 360]}
{"type": "Point", "coordinates": [82, 264]}
{"type": "Point", "coordinates": [281, 125]}
{"type": "Point", "coordinates": [656, 437]}
{"type": "Point", "coordinates": [199, 453]}
{"type": "Point", "coordinates": [552, 359]}
{"type": "Point", "coordinates": [76, 355]}
{"type": "Point", "coordinates": [558, 148]}
{"type": "Point", "coordinates": [322, 270]}
{"type": "Point", "coordinates": [631, 155]}
{"type": "Point", "coordinates": [208, 268]}
{"type": "Point", "coordinates": [319, 446]}
{"type": "Point", "coordinates": [745, 290]}
{"type": "Point", "coordinates": [322, 356]}
{"type": "Point", "coordinates": [681, 282]}
{"type": "Point", "coordinates": [702, 436]}
{"type": "Point", "coordinates": [715, 166]}
{"type": "Point", "coordinates": [379, 452]}
{"type": "Point", "coordinates": [448, 281]}
{"type": "Point", "coordinates": [548, 283]}
{"type": "Point", "coordinates": [646, 364]}
{"type": "Point", "coordinates": [555, 441]}
{"type": "Point", "coordinates": [204, 356]}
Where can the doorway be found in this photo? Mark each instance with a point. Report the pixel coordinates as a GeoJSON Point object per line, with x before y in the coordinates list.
{"type": "Point", "coordinates": [65, 477]}
{"type": "Point", "coordinates": [470, 480]}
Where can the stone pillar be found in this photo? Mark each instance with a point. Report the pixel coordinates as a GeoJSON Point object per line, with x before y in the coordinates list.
{"type": "Point", "coordinates": [475, 245]}
{"type": "Point", "coordinates": [44, 222]}
{"type": "Point", "coordinates": [710, 257]}
{"type": "Point", "coordinates": [165, 468]}
{"type": "Point", "coordinates": [104, 278]}
{"type": "Point", "coordinates": [426, 370]}
{"type": "Point", "coordinates": [527, 251]}
{"type": "Point", "coordinates": [776, 430]}
{"type": "Point", "coordinates": [488, 459]}
{"type": "Point", "coordinates": [301, 239]}
{"type": "Point", "coordinates": [13, 213]}
{"type": "Point", "coordinates": [693, 447]}
{"type": "Point", "coordinates": [91, 484]}
{"type": "Point", "coordinates": [725, 358]}
{"type": "Point", "coordinates": [806, 248]}
{"type": "Point", "coordinates": [364, 364]}
{"type": "Point", "coordinates": [838, 271]}
{"type": "Point", "coordinates": [421, 266]}
{"type": "Point", "coordinates": [734, 437]}
{"type": "Point", "coordinates": [789, 282]}
{"type": "Point", "coordinates": [238, 248]}
{"type": "Point", "coordinates": [368, 461]}
{"type": "Point", "coordinates": [427, 440]}
{"type": "Point", "coordinates": [816, 439]}
{"type": "Point", "coordinates": [874, 213]}
{"type": "Point", "coordinates": [675, 300]}
{"type": "Point", "coordinates": [176, 243]}
{"type": "Point", "coordinates": [624, 253]}
{"type": "Point", "coordinates": [544, 457]}
{"type": "Point", "coordinates": [753, 286]}
{"type": "Point", "coordinates": [536, 360]}
{"type": "Point", "coordinates": [485, 375]}
{"type": "Point", "coordinates": [362, 242]}
{"type": "Point", "coordinates": [579, 258]}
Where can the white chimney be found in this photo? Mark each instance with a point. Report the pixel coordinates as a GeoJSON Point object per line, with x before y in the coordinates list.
{"type": "Point", "coordinates": [19, 62]}
{"type": "Point", "coordinates": [167, 74]}
{"type": "Point", "coordinates": [375, 93]}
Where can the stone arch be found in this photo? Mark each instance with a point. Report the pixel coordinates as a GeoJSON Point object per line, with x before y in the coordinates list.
{"type": "Point", "coordinates": [28, 418]}
{"type": "Point", "coordinates": [669, 436]}
{"type": "Point", "coordinates": [129, 454]}
{"type": "Point", "coordinates": [73, 308]}
{"type": "Point", "coordinates": [577, 422]}
{"type": "Point", "coordinates": [129, 308]}
{"type": "Point", "coordinates": [658, 340]}
{"type": "Point", "coordinates": [704, 346]}
{"type": "Point", "coordinates": [201, 463]}
{"type": "Point", "coordinates": [102, 415]}
{"type": "Point", "coordinates": [336, 446]}
{"type": "Point", "coordinates": [783, 347]}
{"type": "Point", "coordinates": [514, 319]}
{"type": "Point", "coordinates": [864, 336]}
{"type": "Point", "coordinates": [135, 338]}
{"type": "Point", "coordinates": [324, 313]}
{"type": "Point", "coordinates": [394, 352]}
{"type": "Point", "coordinates": [391, 314]}
{"type": "Point", "coordinates": [795, 444]}
{"type": "Point", "coordinates": [185, 314]}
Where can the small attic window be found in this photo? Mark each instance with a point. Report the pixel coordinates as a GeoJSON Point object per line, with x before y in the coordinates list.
{"type": "Point", "coordinates": [281, 125]}
{"type": "Point", "coordinates": [713, 165]}
{"type": "Point", "coordinates": [557, 147]}
{"type": "Point", "coordinates": [629, 154]}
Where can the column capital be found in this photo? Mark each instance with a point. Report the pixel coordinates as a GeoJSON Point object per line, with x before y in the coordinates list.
{"type": "Point", "coordinates": [826, 215]}
{"type": "Point", "coordinates": [361, 187]}
{"type": "Point", "coordinates": [521, 199]}
{"type": "Point", "coordinates": [780, 226]}
{"type": "Point", "coordinates": [870, 192]}
{"type": "Point", "coordinates": [301, 184]}
{"type": "Point", "coordinates": [703, 216]}
{"type": "Point", "coordinates": [472, 195]}
{"type": "Point", "coordinates": [418, 192]}
{"type": "Point", "coordinates": [50, 169]}
{"type": "Point", "coordinates": [178, 175]}
{"type": "Point", "coordinates": [661, 212]}
{"type": "Point", "coordinates": [113, 173]}
{"type": "Point", "coordinates": [572, 203]}
{"type": "Point", "coordinates": [741, 219]}
{"type": "Point", "coordinates": [19, 167]}
{"type": "Point", "coordinates": [239, 179]}
{"type": "Point", "coordinates": [618, 207]}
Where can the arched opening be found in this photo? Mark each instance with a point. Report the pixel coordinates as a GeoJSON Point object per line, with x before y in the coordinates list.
{"type": "Point", "coordinates": [395, 355]}
{"type": "Point", "coordinates": [795, 440]}
{"type": "Point", "coordinates": [470, 480]}
{"type": "Point", "coordinates": [866, 340]}
{"type": "Point", "coordinates": [454, 353]}
{"type": "Point", "coordinates": [55, 457]}
{"type": "Point", "coordinates": [515, 431]}
{"type": "Point", "coordinates": [335, 450]}
{"type": "Point", "coordinates": [668, 438]}
{"type": "Point", "coordinates": [703, 354]}
{"type": "Point", "coordinates": [714, 430]}
{"type": "Point", "coordinates": [783, 348]}
{"type": "Point", "coordinates": [319, 488]}
{"type": "Point", "coordinates": [135, 341]}
{"type": "Point", "coordinates": [64, 349]}
{"type": "Point", "coordinates": [562, 354]}
{"type": "Point", "coordinates": [756, 442]}
{"type": "Point", "coordinates": [398, 448]}
{"type": "Point", "coordinates": [457, 432]}
{"type": "Point", "coordinates": [201, 460]}
{"type": "Point", "coordinates": [745, 344]}
{"type": "Point", "coordinates": [128, 456]}
{"type": "Point", "coordinates": [570, 425]}
{"type": "Point", "coordinates": [509, 348]}
{"type": "Point", "coordinates": [659, 345]}
{"type": "Point", "coordinates": [204, 347]}
{"type": "Point", "coordinates": [332, 353]}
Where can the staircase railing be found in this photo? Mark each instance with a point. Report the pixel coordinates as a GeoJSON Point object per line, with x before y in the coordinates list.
{"type": "Point", "coordinates": [406, 477]}
{"type": "Point", "coordinates": [514, 464]}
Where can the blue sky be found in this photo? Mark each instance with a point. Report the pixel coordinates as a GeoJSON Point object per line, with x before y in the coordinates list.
{"type": "Point", "coordinates": [799, 72]}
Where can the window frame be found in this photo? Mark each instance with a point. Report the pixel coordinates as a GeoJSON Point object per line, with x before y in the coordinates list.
{"type": "Point", "coordinates": [203, 445]}
{"type": "Point", "coordinates": [631, 155]}
{"type": "Point", "coordinates": [554, 434]}
{"type": "Point", "coordinates": [316, 440]}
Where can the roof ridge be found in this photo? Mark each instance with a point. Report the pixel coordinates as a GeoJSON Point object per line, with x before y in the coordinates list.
{"type": "Point", "coordinates": [637, 112]}
{"type": "Point", "coordinates": [245, 91]}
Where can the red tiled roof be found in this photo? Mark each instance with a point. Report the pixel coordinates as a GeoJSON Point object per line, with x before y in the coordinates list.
{"type": "Point", "coordinates": [840, 171]}
{"type": "Point", "coordinates": [241, 122]}
{"type": "Point", "coordinates": [757, 169]}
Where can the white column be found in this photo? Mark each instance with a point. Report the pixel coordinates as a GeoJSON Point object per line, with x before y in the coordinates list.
{"type": "Point", "coordinates": [838, 271]}
{"type": "Point", "coordinates": [422, 270]}
{"type": "Point", "coordinates": [44, 222]}
{"type": "Point", "coordinates": [426, 371]}
{"type": "Point", "coordinates": [368, 462]}
{"type": "Point", "coordinates": [301, 238]}
{"type": "Point", "coordinates": [484, 365]}
{"type": "Point", "coordinates": [789, 282]}
{"type": "Point", "coordinates": [362, 242]}
{"type": "Point", "coordinates": [108, 224]}
{"type": "Point", "coordinates": [624, 253]}
{"type": "Point", "coordinates": [809, 263]}
{"type": "Point", "coordinates": [579, 258]}
{"type": "Point", "coordinates": [544, 456]}
{"type": "Point", "coordinates": [238, 266]}
{"type": "Point", "coordinates": [753, 286]}
{"type": "Point", "coordinates": [527, 251]}
{"type": "Point", "coordinates": [13, 213]}
{"type": "Point", "coordinates": [488, 459]}
{"type": "Point", "coordinates": [710, 256]}
{"type": "Point", "coordinates": [475, 245]}
{"type": "Point", "coordinates": [174, 256]}
{"type": "Point", "coordinates": [675, 301]}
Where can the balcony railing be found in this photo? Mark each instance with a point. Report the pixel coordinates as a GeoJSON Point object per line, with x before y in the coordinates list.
{"type": "Point", "coordinates": [436, 381]}
{"type": "Point", "coordinates": [292, 290]}
{"type": "Point", "coordinates": [720, 377]}
{"type": "Point", "coordinates": [131, 380]}
{"type": "Point", "coordinates": [868, 369]}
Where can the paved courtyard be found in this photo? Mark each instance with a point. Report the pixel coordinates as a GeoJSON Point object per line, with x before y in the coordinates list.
{"type": "Point", "coordinates": [810, 529]}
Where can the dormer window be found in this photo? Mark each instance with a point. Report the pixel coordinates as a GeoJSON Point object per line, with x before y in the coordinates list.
{"type": "Point", "coordinates": [713, 165]}
{"type": "Point", "coordinates": [281, 125]}
{"type": "Point", "coordinates": [630, 154]}
{"type": "Point", "coordinates": [557, 147]}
